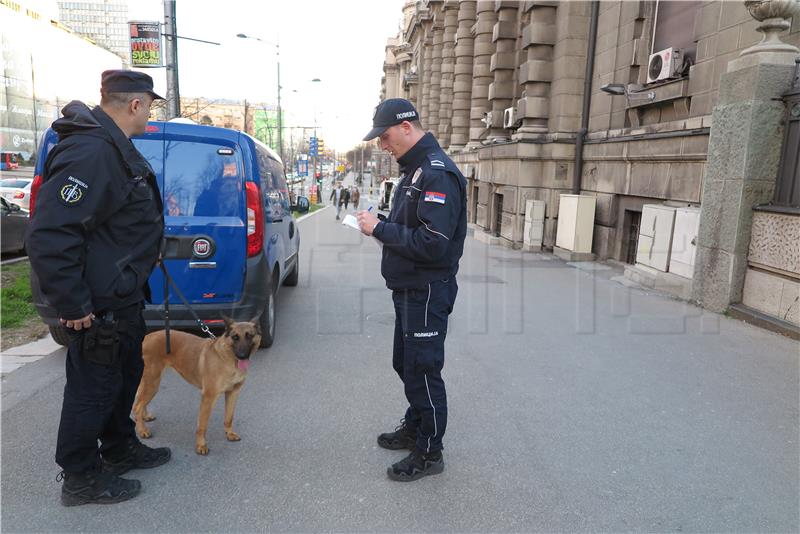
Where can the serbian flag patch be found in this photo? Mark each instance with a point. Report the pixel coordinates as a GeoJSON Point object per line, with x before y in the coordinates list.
{"type": "Point", "coordinates": [433, 196]}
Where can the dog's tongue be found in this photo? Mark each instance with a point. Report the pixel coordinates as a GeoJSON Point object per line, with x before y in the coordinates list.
{"type": "Point", "coordinates": [243, 365]}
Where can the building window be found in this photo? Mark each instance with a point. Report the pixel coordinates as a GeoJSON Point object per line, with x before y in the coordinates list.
{"type": "Point", "coordinates": [674, 26]}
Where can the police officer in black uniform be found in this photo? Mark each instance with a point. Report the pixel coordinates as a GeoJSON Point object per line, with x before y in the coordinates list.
{"type": "Point", "coordinates": [423, 239]}
{"type": "Point", "coordinates": [93, 240]}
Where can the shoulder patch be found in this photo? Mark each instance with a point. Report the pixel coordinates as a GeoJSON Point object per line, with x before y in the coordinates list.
{"type": "Point", "coordinates": [72, 191]}
{"type": "Point", "coordinates": [416, 176]}
{"type": "Point", "coordinates": [434, 196]}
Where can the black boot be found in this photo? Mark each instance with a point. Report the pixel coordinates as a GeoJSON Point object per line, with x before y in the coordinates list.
{"type": "Point", "coordinates": [403, 437]}
{"type": "Point", "coordinates": [417, 465]}
{"type": "Point", "coordinates": [135, 455]}
{"type": "Point", "coordinates": [96, 487]}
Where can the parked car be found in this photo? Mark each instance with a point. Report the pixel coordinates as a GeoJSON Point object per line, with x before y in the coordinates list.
{"type": "Point", "coordinates": [13, 227]}
{"type": "Point", "coordinates": [17, 191]}
{"type": "Point", "coordinates": [386, 194]}
{"type": "Point", "coordinates": [230, 239]}
{"type": "Point", "coordinates": [8, 161]}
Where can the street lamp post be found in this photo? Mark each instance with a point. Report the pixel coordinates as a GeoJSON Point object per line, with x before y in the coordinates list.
{"type": "Point", "coordinates": [280, 114]}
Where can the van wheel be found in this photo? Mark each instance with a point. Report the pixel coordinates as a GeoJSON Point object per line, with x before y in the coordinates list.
{"type": "Point", "coordinates": [267, 319]}
{"type": "Point", "coordinates": [294, 276]}
{"type": "Point", "coordinates": [60, 335]}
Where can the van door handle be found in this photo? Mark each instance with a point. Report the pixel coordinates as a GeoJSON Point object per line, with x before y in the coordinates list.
{"type": "Point", "coordinates": [277, 220]}
{"type": "Point", "coordinates": [202, 265]}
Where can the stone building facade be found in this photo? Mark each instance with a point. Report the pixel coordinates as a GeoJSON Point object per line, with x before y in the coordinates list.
{"type": "Point", "coordinates": [507, 89]}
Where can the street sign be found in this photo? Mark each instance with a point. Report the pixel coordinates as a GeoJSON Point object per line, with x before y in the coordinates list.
{"type": "Point", "coordinates": [302, 167]}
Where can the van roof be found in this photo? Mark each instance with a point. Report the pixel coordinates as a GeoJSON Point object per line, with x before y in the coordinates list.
{"type": "Point", "coordinates": [209, 132]}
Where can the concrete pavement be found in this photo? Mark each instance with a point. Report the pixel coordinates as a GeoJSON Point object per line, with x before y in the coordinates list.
{"type": "Point", "coordinates": [576, 404]}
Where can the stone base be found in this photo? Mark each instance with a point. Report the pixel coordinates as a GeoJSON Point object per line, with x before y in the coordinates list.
{"type": "Point", "coordinates": [531, 248]}
{"type": "Point", "coordinates": [762, 320]}
{"type": "Point", "coordinates": [568, 255]}
{"type": "Point", "coordinates": [489, 239]}
{"type": "Point", "coordinates": [672, 284]}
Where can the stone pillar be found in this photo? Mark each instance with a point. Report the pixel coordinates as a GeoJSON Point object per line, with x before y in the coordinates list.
{"type": "Point", "coordinates": [743, 157]}
{"type": "Point", "coordinates": [425, 89]}
{"type": "Point", "coordinates": [503, 64]}
{"type": "Point", "coordinates": [462, 84]}
{"type": "Point", "coordinates": [536, 74]}
{"type": "Point", "coordinates": [448, 69]}
{"type": "Point", "coordinates": [436, 72]}
{"type": "Point", "coordinates": [391, 81]}
{"type": "Point", "coordinates": [481, 74]}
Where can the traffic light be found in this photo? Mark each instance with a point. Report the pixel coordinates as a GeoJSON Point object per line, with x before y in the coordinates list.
{"type": "Point", "coordinates": [320, 146]}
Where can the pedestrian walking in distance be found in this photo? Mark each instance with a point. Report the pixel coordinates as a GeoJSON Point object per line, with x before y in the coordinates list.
{"type": "Point", "coordinates": [355, 196]}
{"type": "Point", "coordinates": [337, 197]}
{"type": "Point", "coordinates": [94, 238]}
{"type": "Point", "coordinates": [423, 239]}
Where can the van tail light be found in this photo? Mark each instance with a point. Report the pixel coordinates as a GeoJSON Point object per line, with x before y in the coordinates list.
{"type": "Point", "coordinates": [37, 183]}
{"type": "Point", "coordinates": [255, 220]}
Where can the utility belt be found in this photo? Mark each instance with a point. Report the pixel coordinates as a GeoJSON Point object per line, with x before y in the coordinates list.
{"type": "Point", "coordinates": [100, 343]}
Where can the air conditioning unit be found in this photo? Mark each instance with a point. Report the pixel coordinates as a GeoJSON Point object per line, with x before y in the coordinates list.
{"type": "Point", "coordinates": [664, 64]}
{"type": "Point", "coordinates": [510, 118]}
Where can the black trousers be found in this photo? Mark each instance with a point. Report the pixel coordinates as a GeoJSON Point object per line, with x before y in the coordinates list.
{"type": "Point", "coordinates": [98, 398]}
{"type": "Point", "coordinates": [418, 357]}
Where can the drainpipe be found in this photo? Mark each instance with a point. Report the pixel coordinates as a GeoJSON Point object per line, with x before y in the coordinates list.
{"type": "Point", "coordinates": [587, 97]}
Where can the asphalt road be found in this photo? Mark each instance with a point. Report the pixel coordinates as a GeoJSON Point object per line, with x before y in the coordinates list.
{"type": "Point", "coordinates": [576, 404]}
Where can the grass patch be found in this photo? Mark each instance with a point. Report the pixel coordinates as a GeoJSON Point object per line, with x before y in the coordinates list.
{"type": "Point", "coordinates": [16, 301]}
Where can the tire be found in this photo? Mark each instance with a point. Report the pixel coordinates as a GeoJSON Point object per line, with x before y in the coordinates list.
{"type": "Point", "coordinates": [60, 335]}
{"type": "Point", "coordinates": [294, 276]}
{"type": "Point", "coordinates": [267, 319]}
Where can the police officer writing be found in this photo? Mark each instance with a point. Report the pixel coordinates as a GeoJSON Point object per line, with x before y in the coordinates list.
{"type": "Point", "coordinates": [423, 239]}
{"type": "Point", "coordinates": [93, 241]}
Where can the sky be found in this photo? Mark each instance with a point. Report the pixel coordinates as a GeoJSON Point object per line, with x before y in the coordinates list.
{"type": "Point", "coordinates": [342, 43]}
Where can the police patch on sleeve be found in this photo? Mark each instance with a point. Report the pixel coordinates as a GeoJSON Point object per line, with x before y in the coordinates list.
{"type": "Point", "coordinates": [73, 191]}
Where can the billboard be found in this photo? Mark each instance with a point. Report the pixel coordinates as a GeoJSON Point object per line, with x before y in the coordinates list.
{"type": "Point", "coordinates": [266, 127]}
{"type": "Point", "coordinates": [145, 44]}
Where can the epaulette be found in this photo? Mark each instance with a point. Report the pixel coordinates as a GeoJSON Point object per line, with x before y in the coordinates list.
{"type": "Point", "coordinates": [436, 161]}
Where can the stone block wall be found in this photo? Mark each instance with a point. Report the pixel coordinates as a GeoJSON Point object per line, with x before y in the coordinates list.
{"type": "Point", "coordinates": [772, 280]}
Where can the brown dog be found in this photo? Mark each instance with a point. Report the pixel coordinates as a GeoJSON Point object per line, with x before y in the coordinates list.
{"type": "Point", "coordinates": [215, 366]}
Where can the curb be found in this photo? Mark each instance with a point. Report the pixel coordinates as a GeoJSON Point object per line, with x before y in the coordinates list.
{"type": "Point", "coordinates": [15, 357]}
{"type": "Point", "coordinates": [307, 215]}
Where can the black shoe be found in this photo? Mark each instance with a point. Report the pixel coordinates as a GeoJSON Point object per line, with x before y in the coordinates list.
{"type": "Point", "coordinates": [136, 456]}
{"type": "Point", "coordinates": [96, 487]}
{"type": "Point", "coordinates": [403, 437]}
{"type": "Point", "coordinates": [417, 465]}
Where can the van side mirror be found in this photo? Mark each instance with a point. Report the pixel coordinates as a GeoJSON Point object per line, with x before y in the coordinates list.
{"type": "Point", "coordinates": [302, 205]}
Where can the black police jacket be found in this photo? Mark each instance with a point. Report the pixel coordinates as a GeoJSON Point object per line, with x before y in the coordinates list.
{"type": "Point", "coordinates": [423, 238]}
{"type": "Point", "coordinates": [98, 220]}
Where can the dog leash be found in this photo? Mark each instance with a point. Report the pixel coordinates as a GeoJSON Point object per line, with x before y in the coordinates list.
{"type": "Point", "coordinates": [167, 282]}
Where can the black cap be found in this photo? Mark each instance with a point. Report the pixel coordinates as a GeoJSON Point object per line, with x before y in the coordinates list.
{"type": "Point", "coordinates": [127, 81]}
{"type": "Point", "coordinates": [389, 113]}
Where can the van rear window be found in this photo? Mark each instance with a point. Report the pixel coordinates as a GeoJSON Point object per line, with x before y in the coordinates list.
{"type": "Point", "coordinates": [202, 179]}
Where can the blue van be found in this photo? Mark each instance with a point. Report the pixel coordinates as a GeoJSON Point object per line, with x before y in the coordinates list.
{"type": "Point", "coordinates": [230, 238]}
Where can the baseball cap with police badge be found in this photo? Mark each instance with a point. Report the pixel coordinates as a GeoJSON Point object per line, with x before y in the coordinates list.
{"type": "Point", "coordinates": [127, 81]}
{"type": "Point", "coordinates": [389, 113]}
